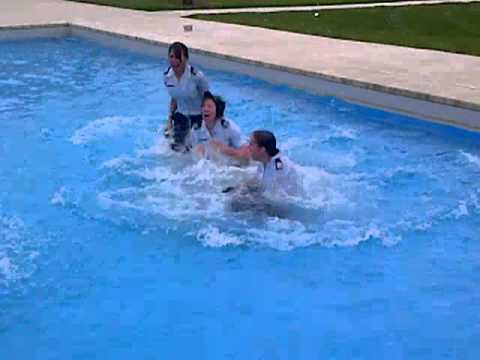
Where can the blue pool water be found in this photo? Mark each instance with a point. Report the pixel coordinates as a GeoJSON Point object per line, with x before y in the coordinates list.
{"type": "Point", "coordinates": [112, 247]}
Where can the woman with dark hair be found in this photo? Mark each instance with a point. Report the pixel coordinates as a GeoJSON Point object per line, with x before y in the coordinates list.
{"type": "Point", "coordinates": [278, 173]}
{"type": "Point", "coordinates": [224, 135]}
{"type": "Point", "coordinates": [186, 86]}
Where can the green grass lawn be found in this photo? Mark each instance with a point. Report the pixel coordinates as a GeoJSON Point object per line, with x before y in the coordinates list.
{"type": "Point", "coordinates": [452, 27]}
{"type": "Point", "coordinates": [154, 5]}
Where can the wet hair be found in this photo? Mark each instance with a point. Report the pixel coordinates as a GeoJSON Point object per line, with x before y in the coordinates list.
{"type": "Point", "coordinates": [267, 140]}
{"type": "Point", "coordinates": [178, 49]}
{"type": "Point", "coordinates": [219, 103]}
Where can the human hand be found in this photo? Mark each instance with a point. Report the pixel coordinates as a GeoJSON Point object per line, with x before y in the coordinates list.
{"type": "Point", "coordinates": [200, 149]}
{"type": "Point", "coordinates": [217, 144]}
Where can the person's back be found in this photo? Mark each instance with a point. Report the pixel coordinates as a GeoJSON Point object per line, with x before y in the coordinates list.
{"type": "Point", "coordinates": [280, 177]}
{"type": "Point", "coordinates": [277, 174]}
{"type": "Point", "coordinates": [277, 180]}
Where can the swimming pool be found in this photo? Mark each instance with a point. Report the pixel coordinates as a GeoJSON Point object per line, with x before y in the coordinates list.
{"type": "Point", "coordinates": [111, 247]}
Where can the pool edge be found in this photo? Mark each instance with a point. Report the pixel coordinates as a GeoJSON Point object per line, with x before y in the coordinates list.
{"type": "Point", "coordinates": [426, 107]}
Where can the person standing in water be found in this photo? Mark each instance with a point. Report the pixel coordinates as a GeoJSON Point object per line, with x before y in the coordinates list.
{"type": "Point", "coordinates": [186, 86]}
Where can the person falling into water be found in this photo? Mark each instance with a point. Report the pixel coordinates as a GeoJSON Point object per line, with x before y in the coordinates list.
{"type": "Point", "coordinates": [219, 133]}
{"type": "Point", "coordinates": [277, 174]}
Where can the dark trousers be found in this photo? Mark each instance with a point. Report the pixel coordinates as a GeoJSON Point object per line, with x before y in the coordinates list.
{"type": "Point", "coordinates": [181, 125]}
{"type": "Point", "coordinates": [195, 120]}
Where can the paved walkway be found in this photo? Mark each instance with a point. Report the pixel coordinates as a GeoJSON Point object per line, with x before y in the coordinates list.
{"type": "Point", "coordinates": [319, 7]}
{"type": "Point", "coordinates": [443, 77]}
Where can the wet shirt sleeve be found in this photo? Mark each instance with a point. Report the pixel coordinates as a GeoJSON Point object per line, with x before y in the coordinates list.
{"type": "Point", "coordinates": [171, 84]}
{"type": "Point", "coordinates": [237, 140]}
{"type": "Point", "coordinates": [198, 136]}
{"type": "Point", "coordinates": [202, 83]}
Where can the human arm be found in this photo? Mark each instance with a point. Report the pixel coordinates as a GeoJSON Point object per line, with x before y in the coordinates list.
{"type": "Point", "coordinates": [233, 144]}
{"type": "Point", "coordinates": [172, 110]}
{"type": "Point", "coordinates": [200, 149]}
{"type": "Point", "coordinates": [202, 83]}
{"type": "Point", "coordinates": [242, 153]}
{"type": "Point", "coordinates": [170, 85]}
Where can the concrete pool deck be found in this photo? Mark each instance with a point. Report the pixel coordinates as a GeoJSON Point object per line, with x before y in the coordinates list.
{"type": "Point", "coordinates": [451, 80]}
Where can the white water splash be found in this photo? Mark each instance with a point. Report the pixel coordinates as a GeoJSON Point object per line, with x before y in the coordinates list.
{"type": "Point", "coordinates": [156, 186]}
{"type": "Point", "coordinates": [8, 270]}
{"type": "Point", "coordinates": [473, 159]}
{"type": "Point", "coordinates": [190, 190]}
{"type": "Point", "coordinates": [59, 197]}
{"type": "Point", "coordinates": [338, 132]}
{"type": "Point", "coordinates": [101, 128]}
{"type": "Point", "coordinates": [17, 251]}
{"type": "Point", "coordinates": [64, 197]}
{"type": "Point", "coordinates": [211, 236]}
{"type": "Point", "coordinates": [461, 210]}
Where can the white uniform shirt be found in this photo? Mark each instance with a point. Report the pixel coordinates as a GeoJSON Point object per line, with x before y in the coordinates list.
{"type": "Point", "coordinates": [188, 91]}
{"type": "Point", "coordinates": [227, 131]}
{"type": "Point", "coordinates": [198, 136]}
{"type": "Point", "coordinates": [279, 176]}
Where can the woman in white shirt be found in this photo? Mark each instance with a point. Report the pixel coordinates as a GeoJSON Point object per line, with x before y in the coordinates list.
{"type": "Point", "coordinates": [278, 174]}
{"type": "Point", "coordinates": [186, 86]}
{"type": "Point", "coordinates": [216, 131]}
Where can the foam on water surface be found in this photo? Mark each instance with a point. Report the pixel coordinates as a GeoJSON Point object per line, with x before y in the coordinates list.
{"type": "Point", "coordinates": [19, 250]}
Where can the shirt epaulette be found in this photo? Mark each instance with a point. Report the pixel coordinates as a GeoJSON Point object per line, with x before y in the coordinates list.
{"type": "Point", "coordinates": [166, 71]}
{"type": "Point", "coordinates": [278, 164]}
{"type": "Point", "coordinates": [224, 123]}
{"type": "Point", "coordinates": [193, 71]}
